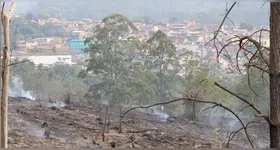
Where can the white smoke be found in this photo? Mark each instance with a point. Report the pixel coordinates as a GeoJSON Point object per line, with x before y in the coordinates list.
{"type": "Point", "coordinates": [16, 89]}
{"type": "Point", "coordinates": [161, 115]}
{"type": "Point", "coordinates": [57, 104]}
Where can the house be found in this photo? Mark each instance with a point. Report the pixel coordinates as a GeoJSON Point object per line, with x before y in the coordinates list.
{"type": "Point", "coordinates": [55, 21]}
{"type": "Point", "coordinates": [78, 45]}
{"type": "Point", "coordinates": [87, 20]}
{"type": "Point", "coordinates": [241, 31]}
{"type": "Point", "coordinates": [155, 28]}
{"type": "Point", "coordinates": [20, 16]}
{"type": "Point", "coordinates": [195, 49]}
{"type": "Point", "coordinates": [81, 25]}
{"type": "Point", "coordinates": [177, 27]}
{"type": "Point", "coordinates": [43, 41]}
{"type": "Point", "coordinates": [57, 45]}
{"type": "Point", "coordinates": [70, 25]}
{"type": "Point", "coordinates": [31, 43]}
{"type": "Point", "coordinates": [78, 34]}
{"type": "Point", "coordinates": [190, 23]}
{"type": "Point", "coordinates": [40, 21]}
{"type": "Point", "coordinates": [265, 39]}
{"type": "Point", "coordinates": [20, 45]}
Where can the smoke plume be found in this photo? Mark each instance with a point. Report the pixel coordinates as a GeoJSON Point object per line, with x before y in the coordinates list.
{"type": "Point", "coordinates": [16, 89]}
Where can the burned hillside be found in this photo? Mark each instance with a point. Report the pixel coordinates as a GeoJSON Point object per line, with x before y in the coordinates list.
{"type": "Point", "coordinates": [80, 126]}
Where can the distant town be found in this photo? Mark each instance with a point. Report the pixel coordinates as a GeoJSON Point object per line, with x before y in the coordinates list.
{"type": "Point", "coordinates": [187, 35]}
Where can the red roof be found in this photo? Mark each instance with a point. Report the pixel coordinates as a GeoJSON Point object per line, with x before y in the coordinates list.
{"type": "Point", "coordinates": [215, 58]}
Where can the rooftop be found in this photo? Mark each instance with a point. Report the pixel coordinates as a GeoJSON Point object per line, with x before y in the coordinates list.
{"type": "Point", "coordinates": [40, 54]}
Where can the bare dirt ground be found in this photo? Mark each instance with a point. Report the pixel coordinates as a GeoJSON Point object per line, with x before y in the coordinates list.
{"type": "Point", "coordinates": [81, 126]}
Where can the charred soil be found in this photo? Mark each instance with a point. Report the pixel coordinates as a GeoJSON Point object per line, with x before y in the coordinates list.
{"type": "Point", "coordinates": [79, 126]}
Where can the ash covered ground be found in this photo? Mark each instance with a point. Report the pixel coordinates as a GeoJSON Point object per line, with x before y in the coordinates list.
{"type": "Point", "coordinates": [79, 126]}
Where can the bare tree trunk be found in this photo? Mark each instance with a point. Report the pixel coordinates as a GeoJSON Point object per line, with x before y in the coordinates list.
{"type": "Point", "coordinates": [274, 74]}
{"type": "Point", "coordinates": [6, 17]}
{"type": "Point", "coordinates": [120, 123]}
{"type": "Point", "coordinates": [193, 111]}
{"type": "Point", "coordinates": [5, 84]}
{"type": "Point", "coordinates": [0, 74]}
{"type": "Point", "coordinates": [104, 125]}
{"type": "Point", "coordinates": [109, 121]}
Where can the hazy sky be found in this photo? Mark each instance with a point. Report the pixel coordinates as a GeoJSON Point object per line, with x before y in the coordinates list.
{"type": "Point", "coordinates": [154, 8]}
{"type": "Point", "coordinates": [23, 7]}
{"type": "Point", "coordinates": [179, 5]}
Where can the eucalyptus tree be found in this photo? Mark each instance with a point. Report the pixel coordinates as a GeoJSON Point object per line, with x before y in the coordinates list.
{"type": "Point", "coordinates": [163, 60]}
{"type": "Point", "coordinates": [112, 51]}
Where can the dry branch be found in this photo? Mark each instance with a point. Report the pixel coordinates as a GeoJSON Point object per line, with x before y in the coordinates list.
{"type": "Point", "coordinates": [256, 66]}
{"type": "Point", "coordinates": [262, 55]}
{"type": "Point", "coordinates": [260, 114]}
{"type": "Point", "coordinates": [16, 63]}
{"type": "Point", "coordinates": [251, 88]}
{"type": "Point", "coordinates": [242, 42]}
{"type": "Point", "coordinates": [199, 101]}
{"type": "Point", "coordinates": [243, 109]}
{"type": "Point", "coordinates": [222, 23]}
{"type": "Point", "coordinates": [239, 97]}
{"type": "Point", "coordinates": [232, 134]}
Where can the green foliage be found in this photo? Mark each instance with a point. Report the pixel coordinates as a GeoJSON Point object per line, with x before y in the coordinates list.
{"type": "Point", "coordinates": [50, 83]}
{"type": "Point", "coordinates": [46, 13]}
{"type": "Point", "coordinates": [161, 46]}
{"type": "Point", "coordinates": [113, 75]}
{"type": "Point", "coordinates": [29, 16]}
{"type": "Point", "coordinates": [254, 86]}
{"type": "Point", "coordinates": [31, 29]}
{"type": "Point", "coordinates": [162, 55]}
{"type": "Point", "coordinates": [123, 70]}
{"type": "Point", "coordinates": [111, 55]}
{"type": "Point", "coordinates": [144, 19]}
{"type": "Point", "coordinates": [200, 85]}
{"type": "Point", "coordinates": [43, 15]}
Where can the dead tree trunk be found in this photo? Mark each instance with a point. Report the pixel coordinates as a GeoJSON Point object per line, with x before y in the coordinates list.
{"type": "Point", "coordinates": [120, 123]}
{"type": "Point", "coordinates": [193, 111]}
{"type": "Point", "coordinates": [109, 121]}
{"type": "Point", "coordinates": [274, 76]}
{"type": "Point", "coordinates": [105, 123]}
{"type": "Point", "coordinates": [0, 73]}
{"type": "Point", "coordinates": [6, 17]}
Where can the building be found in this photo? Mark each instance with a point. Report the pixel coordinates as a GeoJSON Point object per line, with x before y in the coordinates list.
{"type": "Point", "coordinates": [20, 45]}
{"type": "Point", "coordinates": [44, 41]}
{"type": "Point", "coordinates": [38, 41]}
{"type": "Point", "coordinates": [31, 43]}
{"type": "Point", "coordinates": [78, 45]}
{"type": "Point", "coordinates": [78, 34]}
{"type": "Point", "coordinates": [46, 59]}
{"type": "Point", "coordinates": [265, 39]}
{"type": "Point", "coordinates": [87, 20]}
{"type": "Point", "coordinates": [195, 49]}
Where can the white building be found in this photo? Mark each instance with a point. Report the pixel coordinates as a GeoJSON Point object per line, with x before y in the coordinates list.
{"type": "Point", "coordinates": [46, 60]}
{"type": "Point", "coordinates": [195, 49]}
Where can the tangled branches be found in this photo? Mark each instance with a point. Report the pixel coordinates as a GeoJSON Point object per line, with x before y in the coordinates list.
{"type": "Point", "coordinates": [215, 104]}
